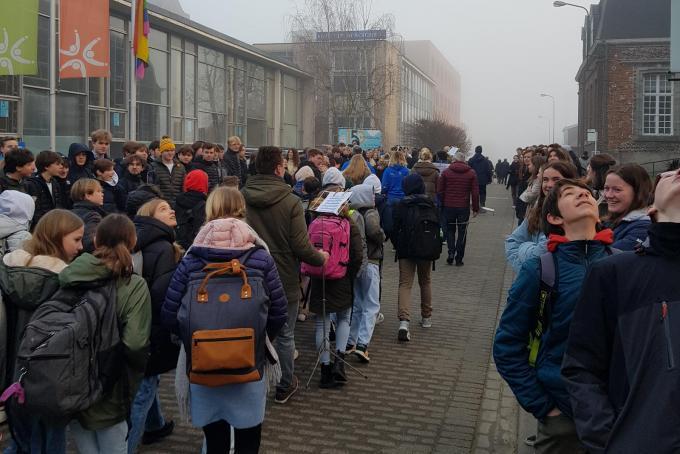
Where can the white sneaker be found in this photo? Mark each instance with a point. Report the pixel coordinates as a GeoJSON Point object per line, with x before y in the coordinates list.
{"type": "Point", "coordinates": [426, 322]}
{"type": "Point", "coordinates": [379, 318]}
{"type": "Point", "coordinates": [404, 335]}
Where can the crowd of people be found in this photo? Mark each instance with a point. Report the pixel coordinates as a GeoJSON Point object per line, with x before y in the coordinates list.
{"type": "Point", "coordinates": [586, 341]}
{"type": "Point", "coordinates": [166, 236]}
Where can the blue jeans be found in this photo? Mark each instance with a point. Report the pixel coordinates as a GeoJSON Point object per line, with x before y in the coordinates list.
{"type": "Point", "coordinates": [104, 441]}
{"type": "Point", "coordinates": [285, 347]}
{"type": "Point", "coordinates": [145, 414]}
{"type": "Point", "coordinates": [341, 333]}
{"type": "Point", "coordinates": [33, 435]}
{"type": "Point", "coordinates": [366, 305]}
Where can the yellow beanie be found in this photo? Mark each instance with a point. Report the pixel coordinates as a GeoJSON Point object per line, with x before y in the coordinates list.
{"type": "Point", "coordinates": [167, 144]}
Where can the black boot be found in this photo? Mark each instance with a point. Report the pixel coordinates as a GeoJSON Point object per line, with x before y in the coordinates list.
{"type": "Point", "coordinates": [327, 380]}
{"type": "Point", "coordinates": [339, 369]}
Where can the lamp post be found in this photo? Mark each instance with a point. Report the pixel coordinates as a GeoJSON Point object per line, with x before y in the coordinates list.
{"type": "Point", "coordinates": [545, 95]}
{"type": "Point", "coordinates": [559, 4]}
{"type": "Point", "coordinates": [548, 119]}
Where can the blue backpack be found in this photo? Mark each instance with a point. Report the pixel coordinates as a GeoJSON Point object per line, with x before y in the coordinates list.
{"type": "Point", "coordinates": [222, 319]}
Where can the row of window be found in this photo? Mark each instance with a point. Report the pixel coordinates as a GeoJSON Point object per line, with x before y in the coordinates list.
{"type": "Point", "coordinates": [190, 92]}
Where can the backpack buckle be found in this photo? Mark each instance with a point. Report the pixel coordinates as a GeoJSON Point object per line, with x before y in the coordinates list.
{"type": "Point", "coordinates": [246, 291]}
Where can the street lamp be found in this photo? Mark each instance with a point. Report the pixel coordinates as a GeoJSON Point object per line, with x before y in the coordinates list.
{"type": "Point", "coordinates": [545, 95]}
{"type": "Point", "coordinates": [559, 4]}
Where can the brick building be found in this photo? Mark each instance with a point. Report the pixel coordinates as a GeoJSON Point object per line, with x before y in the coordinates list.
{"type": "Point", "coordinates": [624, 91]}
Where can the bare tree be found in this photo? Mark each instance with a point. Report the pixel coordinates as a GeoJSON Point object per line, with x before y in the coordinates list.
{"type": "Point", "coordinates": [354, 78]}
{"type": "Point", "coordinates": [436, 134]}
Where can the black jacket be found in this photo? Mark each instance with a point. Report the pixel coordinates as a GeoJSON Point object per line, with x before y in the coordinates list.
{"type": "Point", "coordinates": [7, 183]}
{"type": "Point", "coordinates": [76, 172]}
{"type": "Point", "coordinates": [45, 200]}
{"type": "Point", "coordinates": [91, 215]}
{"type": "Point", "coordinates": [622, 363]}
{"type": "Point", "coordinates": [211, 169]}
{"type": "Point", "coordinates": [235, 166]}
{"type": "Point", "coordinates": [114, 198]}
{"type": "Point", "coordinates": [482, 167]}
{"type": "Point", "coordinates": [190, 213]}
{"type": "Point", "coordinates": [129, 182]}
{"type": "Point", "coordinates": [155, 240]}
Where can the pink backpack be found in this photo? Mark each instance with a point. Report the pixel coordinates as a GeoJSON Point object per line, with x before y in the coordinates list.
{"type": "Point", "coordinates": [330, 233]}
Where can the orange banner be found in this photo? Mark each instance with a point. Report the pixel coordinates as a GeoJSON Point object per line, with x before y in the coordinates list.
{"type": "Point", "coordinates": [83, 38]}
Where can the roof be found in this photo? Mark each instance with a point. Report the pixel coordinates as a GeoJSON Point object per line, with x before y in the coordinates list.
{"type": "Point", "coordinates": [634, 19]}
{"type": "Point", "coordinates": [209, 35]}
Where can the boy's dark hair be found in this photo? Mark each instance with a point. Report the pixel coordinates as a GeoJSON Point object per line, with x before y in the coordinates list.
{"type": "Point", "coordinates": [187, 149]}
{"type": "Point", "coordinates": [102, 165]}
{"type": "Point", "coordinates": [208, 146]}
{"type": "Point", "coordinates": [312, 186]}
{"type": "Point", "coordinates": [550, 206]}
{"type": "Point", "coordinates": [16, 158]}
{"type": "Point", "coordinates": [134, 158]}
{"type": "Point", "coordinates": [313, 152]}
{"type": "Point", "coordinates": [131, 147]}
{"type": "Point", "coordinates": [197, 145]}
{"type": "Point", "coordinates": [63, 160]}
{"type": "Point", "coordinates": [155, 145]}
{"type": "Point", "coordinates": [6, 139]}
{"type": "Point", "coordinates": [268, 159]}
{"type": "Point", "coordinates": [45, 159]}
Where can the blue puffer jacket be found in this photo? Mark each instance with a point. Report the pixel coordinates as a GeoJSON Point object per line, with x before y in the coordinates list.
{"type": "Point", "coordinates": [391, 182]}
{"type": "Point", "coordinates": [521, 246]}
{"type": "Point", "coordinates": [542, 388]}
{"type": "Point", "coordinates": [197, 257]}
{"type": "Point", "coordinates": [633, 227]}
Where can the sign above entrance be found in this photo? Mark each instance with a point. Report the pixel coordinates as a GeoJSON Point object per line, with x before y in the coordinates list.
{"type": "Point", "coordinates": [354, 35]}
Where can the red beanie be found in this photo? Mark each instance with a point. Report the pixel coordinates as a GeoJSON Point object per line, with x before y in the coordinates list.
{"type": "Point", "coordinates": [196, 180]}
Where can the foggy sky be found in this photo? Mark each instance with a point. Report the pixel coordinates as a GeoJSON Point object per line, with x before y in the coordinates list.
{"type": "Point", "coordinates": [507, 53]}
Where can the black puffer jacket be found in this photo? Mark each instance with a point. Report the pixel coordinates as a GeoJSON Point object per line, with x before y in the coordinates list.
{"type": "Point", "coordinates": [211, 169]}
{"type": "Point", "coordinates": [129, 182]}
{"type": "Point", "coordinates": [114, 198]}
{"type": "Point", "coordinates": [190, 212]}
{"type": "Point", "coordinates": [232, 162]}
{"type": "Point", "coordinates": [91, 215]}
{"type": "Point", "coordinates": [170, 184]}
{"type": "Point", "coordinates": [155, 240]}
{"type": "Point", "coordinates": [45, 200]}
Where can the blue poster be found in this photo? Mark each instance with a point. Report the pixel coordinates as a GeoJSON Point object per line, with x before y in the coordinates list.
{"type": "Point", "coordinates": [4, 109]}
{"type": "Point", "coordinates": [116, 120]}
{"type": "Point", "coordinates": [365, 138]}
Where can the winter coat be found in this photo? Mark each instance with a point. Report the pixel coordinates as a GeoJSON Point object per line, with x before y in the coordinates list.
{"type": "Point", "coordinates": [170, 184]}
{"type": "Point", "coordinates": [541, 388]}
{"type": "Point", "coordinates": [45, 200]}
{"type": "Point", "coordinates": [65, 192]}
{"type": "Point", "coordinates": [76, 172]}
{"type": "Point", "coordinates": [25, 286]}
{"type": "Point", "coordinates": [621, 364]}
{"type": "Point", "coordinates": [430, 174]}
{"type": "Point", "coordinates": [513, 174]}
{"type": "Point", "coordinates": [133, 310]}
{"type": "Point", "coordinates": [129, 183]}
{"type": "Point", "coordinates": [363, 201]}
{"type": "Point", "coordinates": [631, 230]}
{"type": "Point", "coordinates": [211, 169]}
{"type": "Point", "coordinates": [457, 186]}
{"type": "Point", "coordinates": [15, 220]}
{"type": "Point", "coordinates": [190, 213]}
{"type": "Point", "coordinates": [391, 182]}
{"type": "Point", "coordinates": [155, 240]}
{"type": "Point", "coordinates": [114, 197]}
{"type": "Point", "coordinates": [91, 215]}
{"type": "Point", "coordinates": [482, 167]}
{"type": "Point", "coordinates": [339, 294]}
{"type": "Point", "coordinates": [521, 246]}
{"type": "Point", "coordinates": [276, 214]}
{"type": "Point", "coordinates": [232, 162]}
{"type": "Point", "coordinates": [10, 184]}
{"type": "Point", "coordinates": [222, 240]}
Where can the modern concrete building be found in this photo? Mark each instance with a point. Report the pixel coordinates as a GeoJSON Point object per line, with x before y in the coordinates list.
{"type": "Point", "coordinates": [201, 84]}
{"type": "Point", "coordinates": [421, 85]}
{"type": "Point", "coordinates": [624, 91]}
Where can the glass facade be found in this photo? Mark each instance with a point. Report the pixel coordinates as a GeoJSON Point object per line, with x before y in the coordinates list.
{"type": "Point", "coordinates": [190, 92]}
{"type": "Point", "coordinates": [416, 100]}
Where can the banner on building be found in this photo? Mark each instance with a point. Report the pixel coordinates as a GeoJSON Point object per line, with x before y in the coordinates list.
{"type": "Point", "coordinates": [18, 37]}
{"type": "Point", "coordinates": [141, 37]}
{"type": "Point", "coordinates": [365, 138]}
{"type": "Point", "coordinates": [675, 36]}
{"type": "Point", "coordinates": [83, 38]}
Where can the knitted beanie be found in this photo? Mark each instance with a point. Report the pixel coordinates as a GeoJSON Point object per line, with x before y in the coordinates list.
{"type": "Point", "coordinates": [167, 144]}
{"type": "Point", "coordinates": [196, 180]}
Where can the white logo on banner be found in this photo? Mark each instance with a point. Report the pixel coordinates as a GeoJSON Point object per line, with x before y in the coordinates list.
{"type": "Point", "coordinates": [87, 56]}
{"type": "Point", "coordinates": [14, 53]}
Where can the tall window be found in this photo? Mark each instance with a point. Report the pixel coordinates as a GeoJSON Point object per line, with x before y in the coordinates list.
{"type": "Point", "coordinates": [212, 101]}
{"type": "Point", "coordinates": [657, 105]}
{"type": "Point", "coordinates": [152, 91]}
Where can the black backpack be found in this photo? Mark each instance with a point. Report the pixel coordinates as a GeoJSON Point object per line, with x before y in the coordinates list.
{"type": "Point", "coordinates": [420, 234]}
{"type": "Point", "coordinates": [70, 353]}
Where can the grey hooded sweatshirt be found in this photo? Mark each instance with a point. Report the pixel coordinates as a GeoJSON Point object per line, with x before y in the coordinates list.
{"type": "Point", "coordinates": [363, 201]}
{"type": "Point", "coordinates": [16, 213]}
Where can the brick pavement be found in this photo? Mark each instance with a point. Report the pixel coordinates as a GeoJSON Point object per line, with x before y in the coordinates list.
{"type": "Point", "coordinates": [435, 394]}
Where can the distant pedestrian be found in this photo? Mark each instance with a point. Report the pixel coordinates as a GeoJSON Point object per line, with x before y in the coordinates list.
{"type": "Point", "coordinates": [484, 171]}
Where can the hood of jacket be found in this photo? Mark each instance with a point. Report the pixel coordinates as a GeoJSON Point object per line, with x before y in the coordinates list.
{"type": "Point", "coordinates": [188, 200]}
{"type": "Point", "coordinates": [29, 285]}
{"type": "Point", "coordinates": [265, 190]}
{"type": "Point", "coordinates": [77, 148]}
{"type": "Point", "coordinates": [637, 215]}
{"type": "Point", "coordinates": [460, 167]}
{"type": "Point", "coordinates": [227, 234]}
{"type": "Point", "coordinates": [425, 168]}
{"type": "Point", "coordinates": [362, 196]}
{"type": "Point", "coordinates": [150, 230]}
{"type": "Point", "coordinates": [85, 270]}
{"type": "Point", "coordinates": [17, 207]}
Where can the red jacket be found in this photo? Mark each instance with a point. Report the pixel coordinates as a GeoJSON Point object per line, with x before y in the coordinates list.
{"type": "Point", "coordinates": [456, 185]}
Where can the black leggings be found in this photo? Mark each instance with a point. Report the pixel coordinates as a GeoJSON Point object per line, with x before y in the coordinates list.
{"type": "Point", "coordinates": [218, 438]}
